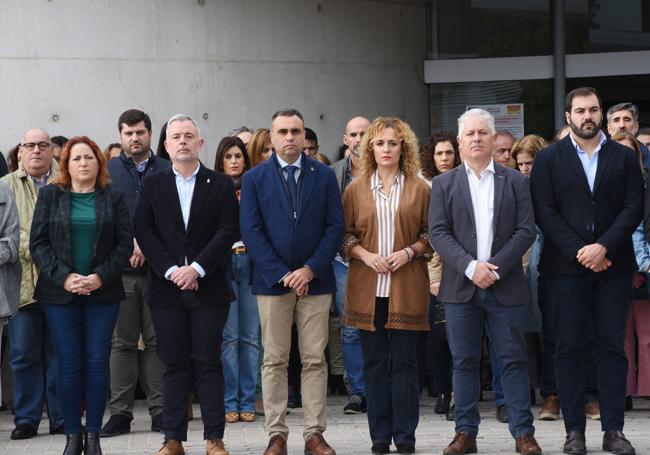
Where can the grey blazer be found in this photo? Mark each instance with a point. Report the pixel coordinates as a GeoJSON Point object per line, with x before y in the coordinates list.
{"type": "Point", "coordinates": [9, 260]}
{"type": "Point", "coordinates": [452, 233]}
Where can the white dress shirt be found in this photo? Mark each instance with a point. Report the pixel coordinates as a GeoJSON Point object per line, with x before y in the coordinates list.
{"type": "Point", "coordinates": [284, 164]}
{"type": "Point", "coordinates": [185, 188]}
{"type": "Point", "coordinates": [482, 192]}
{"type": "Point", "coordinates": [590, 166]}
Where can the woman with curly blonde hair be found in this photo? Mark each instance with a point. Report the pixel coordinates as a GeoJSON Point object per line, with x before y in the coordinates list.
{"type": "Point", "coordinates": [386, 241]}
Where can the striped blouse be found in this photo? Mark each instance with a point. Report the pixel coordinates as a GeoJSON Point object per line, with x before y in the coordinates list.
{"type": "Point", "coordinates": [386, 205]}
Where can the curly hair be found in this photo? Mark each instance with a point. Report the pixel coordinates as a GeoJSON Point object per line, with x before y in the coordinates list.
{"type": "Point", "coordinates": [64, 180]}
{"type": "Point", "coordinates": [409, 161]}
{"type": "Point", "coordinates": [429, 169]}
{"type": "Point", "coordinates": [260, 138]}
{"type": "Point", "coordinates": [530, 144]}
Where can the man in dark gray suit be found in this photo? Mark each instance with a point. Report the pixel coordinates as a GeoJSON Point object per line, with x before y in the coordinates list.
{"type": "Point", "coordinates": [481, 223]}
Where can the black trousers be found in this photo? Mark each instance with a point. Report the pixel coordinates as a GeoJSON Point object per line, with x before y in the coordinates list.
{"type": "Point", "coordinates": [189, 345]}
{"type": "Point", "coordinates": [596, 304]}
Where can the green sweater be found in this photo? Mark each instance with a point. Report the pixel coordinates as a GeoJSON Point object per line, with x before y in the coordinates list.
{"type": "Point", "coordinates": [83, 221]}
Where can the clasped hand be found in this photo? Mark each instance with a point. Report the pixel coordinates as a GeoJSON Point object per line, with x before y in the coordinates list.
{"type": "Point", "coordinates": [298, 280]}
{"type": "Point", "coordinates": [485, 274]}
{"type": "Point", "coordinates": [186, 278]}
{"type": "Point", "coordinates": [384, 265]}
{"type": "Point", "coordinates": [593, 257]}
{"type": "Point", "coordinates": [82, 284]}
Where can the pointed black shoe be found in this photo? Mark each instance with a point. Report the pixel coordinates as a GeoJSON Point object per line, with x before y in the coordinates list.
{"type": "Point", "coordinates": [91, 444]}
{"type": "Point", "coordinates": [73, 444]}
{"type": "Point", "coordinates": [443, 403]}
{"type": "Point", "coordinates": [615, 442]}
{"type": "Point", "coordinates": [574, 443]}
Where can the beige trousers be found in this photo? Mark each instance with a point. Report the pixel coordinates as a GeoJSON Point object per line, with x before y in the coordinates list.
{"type": "Point", "coordinates": [311, 314]}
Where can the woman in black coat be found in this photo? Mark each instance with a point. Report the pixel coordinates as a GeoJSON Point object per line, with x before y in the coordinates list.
{"type": "Point", "coordinates": [81, 240]}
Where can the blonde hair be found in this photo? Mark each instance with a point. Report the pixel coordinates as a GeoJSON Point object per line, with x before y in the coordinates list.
{"type": "Point", "coordinates": [409, 161]}
{"type": "Point", "coordinates": [260, 138]}
{"type": "Point", "coordinates": [530, 144]}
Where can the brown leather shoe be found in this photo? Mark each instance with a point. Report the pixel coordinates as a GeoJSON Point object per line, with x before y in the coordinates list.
{"type": "Point", "coordinates": [277, 446]}
{"type": "Point", "coordinates": [215, 447]}
{"type": "Point", "coordinates": [592, 409]}
{"type": "Point", "coordinates": [527, 445]}
{"type": "Point", "coordinates": [462, 443]}
{"type": "Point", "coordinates": [550, 408]}
{"type": "Point", "coordinates": [316, 445]}
{"type": "Point", "coordinates": [171, 447]}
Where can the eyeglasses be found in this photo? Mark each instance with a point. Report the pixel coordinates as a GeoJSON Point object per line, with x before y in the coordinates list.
{"type": "Point", "coordinates": [41, 145]}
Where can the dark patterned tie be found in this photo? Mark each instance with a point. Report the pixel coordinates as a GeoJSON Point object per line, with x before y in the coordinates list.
{"type": "Point", "coordinates": [291, 183]}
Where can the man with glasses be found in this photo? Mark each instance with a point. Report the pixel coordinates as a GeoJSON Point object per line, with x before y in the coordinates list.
{"type": "Point", "coordinates": [31, 358]}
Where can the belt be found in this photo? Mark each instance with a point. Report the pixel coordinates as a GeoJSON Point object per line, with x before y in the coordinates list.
{"type": "Point", "coordinates": [239, 250]}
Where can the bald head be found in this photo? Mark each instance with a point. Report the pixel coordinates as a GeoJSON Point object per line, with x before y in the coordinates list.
{"type": "Point", "coordinates": [354, 131]}
{"type": "Point", "coordinates": [36, 152]}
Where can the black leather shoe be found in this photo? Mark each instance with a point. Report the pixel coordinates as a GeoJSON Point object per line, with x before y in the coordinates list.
{"type": "Point", "coordinates": [615, 442]}
{"type": "Point", "coordinates": [91, 444]}
{"type": "Point", "coordinates": [451, 415]}
{"type": "Point", "coordinates": [502, 414]}
{"type": "Point", "coordinates": [443, 403]}
{"type": "Point", "coordinates": [23, 431]}
{"type": "Point", "coordinates": [118, 424]}
{"type": "Point", "coordinates": [157, 423]}
{"type": "Point", "coordinates": [73, 444]}
{"type": "Point", "coordinates": [58, 430]}
{"type": "Point", "coordinates": [574, 443]}
{"type": "Point", "coordinates": [380, 448]}
{"type": "Point", "coordinates": [405, 449]}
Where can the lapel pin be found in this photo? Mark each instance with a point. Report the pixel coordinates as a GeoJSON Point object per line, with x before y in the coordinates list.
{"type": "Point", "coordinates": [312, 168]}
{"type": "Point", "coordinates": [208, 181]}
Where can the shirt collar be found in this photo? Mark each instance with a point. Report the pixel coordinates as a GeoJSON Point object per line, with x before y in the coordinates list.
{"type": "Point", "coordinates": [284, 164]}
{"type": "Point", "coordinates": [470, 171]}
{"type": "Point", "coordinates": [179, 175]}
{"type": "Point", "coordinates": [601, 139]}
{"type": "Point", "coordinates": [375, 181]}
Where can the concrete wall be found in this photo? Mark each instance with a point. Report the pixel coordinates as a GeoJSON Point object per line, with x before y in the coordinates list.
{"type": "Point", "coordinates": [224, 62]}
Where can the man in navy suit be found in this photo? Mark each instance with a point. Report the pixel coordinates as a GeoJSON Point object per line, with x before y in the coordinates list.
{"type": "Point", "coordinates": [588, 199]}
{"type": "Point", "coordinates": [292, 224]}
{"type": "Point", "coordinates": [186, 220]}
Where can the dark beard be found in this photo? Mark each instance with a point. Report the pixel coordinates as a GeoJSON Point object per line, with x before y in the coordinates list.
{"type": "Point", "coordinates": [582, 134]}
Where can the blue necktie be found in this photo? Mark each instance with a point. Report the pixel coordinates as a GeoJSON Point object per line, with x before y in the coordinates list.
{"type": "Point", "coordinates": [293, 188]}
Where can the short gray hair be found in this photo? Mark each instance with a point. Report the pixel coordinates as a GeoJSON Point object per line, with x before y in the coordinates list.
{"type": "Point", "coordinates": [183, 118]}
{"type": "Point", "coordinates": [476, 112]}
{"type": "Point", "coordinates": [627, 106]}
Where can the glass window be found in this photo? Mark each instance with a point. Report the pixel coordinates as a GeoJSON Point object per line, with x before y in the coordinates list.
{"type": "Point", "coordinates": [618, 89]}
{"type": "Point", "coordinates": [449, 101]}
{"type": "Point", "coordinates": [607, 26]}
{"type": "Point", "coordinates": [492, 28]}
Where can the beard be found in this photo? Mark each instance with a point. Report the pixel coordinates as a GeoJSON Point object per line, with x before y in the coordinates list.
{"type": "Point", "coordinates": [584, 133]}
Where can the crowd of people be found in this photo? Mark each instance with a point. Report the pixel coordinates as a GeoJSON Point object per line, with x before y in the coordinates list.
{"type": "Point", "coordinates": [255, 283]}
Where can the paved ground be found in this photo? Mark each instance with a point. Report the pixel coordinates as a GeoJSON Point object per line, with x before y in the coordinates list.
{"type": "Point", "coordinates": [347, 434]}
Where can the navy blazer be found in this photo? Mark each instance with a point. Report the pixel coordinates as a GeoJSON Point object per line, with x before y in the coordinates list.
{"type": "Point", "coordinates": [211, 230]}
{"type": "Point", "coordinates": [571, 216]}
{"type": "Point", "coordinates": [452, 233]}
{"type": "Point", "coordinates": [277, 242]}
{"type": "Point", "coordinates": [50, 244]}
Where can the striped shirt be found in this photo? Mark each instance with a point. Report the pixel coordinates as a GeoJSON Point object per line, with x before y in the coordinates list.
{"type": "Point", "coordinates": [386, 205]}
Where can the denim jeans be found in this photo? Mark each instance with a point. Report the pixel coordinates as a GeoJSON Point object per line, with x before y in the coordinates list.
{"type": "Point", "coordinates": [465, 324]}
{"type": "Point", "coordinates": [30, 354]}
{"type": "Point", "coordinates": [350, 343]}
{"type": "Point", "coordinates": [81, 334]}
{"type": "Point", "coordinates": [239, 350]}
{"type": "Point", "coordinates": [497, 387]}
{"type": "Point", "coordinates": [391, 378]}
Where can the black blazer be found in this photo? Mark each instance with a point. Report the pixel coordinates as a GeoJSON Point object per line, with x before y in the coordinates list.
{"type": "Point", "coordinates": [212, 229]}
{"type": "Point", "coordinates": [51, 245]}
{"type": "Point", "coordinates": [571, 216]}
{"type": "Point", "coordinates": [452, 233]}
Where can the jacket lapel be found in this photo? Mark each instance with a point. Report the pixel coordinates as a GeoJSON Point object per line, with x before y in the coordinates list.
{"type": "Point", "coordinates": [604, 155]}
{"type": "Point", "coordinates": [201, 189]}
{"type": "Point", "coordinates": [308, 175]}
{"type": "Point", "coordinates": [499, 183]}
{"type": "Point", "coordinates": [273, 176]}
{"type": "Point", "coordinates": [569, 152]}
{"type": "Point", "coordinates": [173, 198]}
{"type": "Point", "coordinates": [65, 208]}
{"type": "Point", "coordinates": [100, 212]}
{"type": "Point", "coordinates": [464, 189]}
